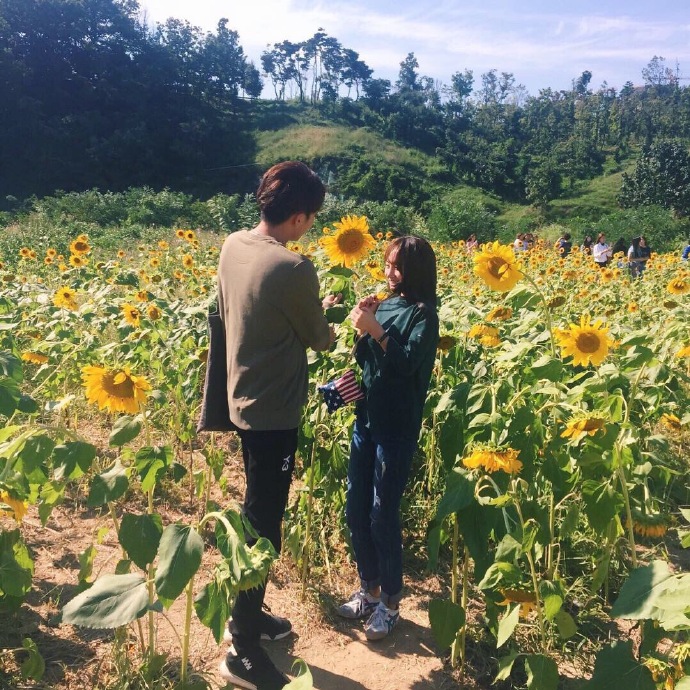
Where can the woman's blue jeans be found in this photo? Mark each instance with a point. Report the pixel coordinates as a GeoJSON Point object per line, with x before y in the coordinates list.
{"type": "Point", "coordinates": [376, 480]}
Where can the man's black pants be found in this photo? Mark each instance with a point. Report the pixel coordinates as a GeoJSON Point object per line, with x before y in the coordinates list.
{"type": "Point", "coordinates": [269, 461]}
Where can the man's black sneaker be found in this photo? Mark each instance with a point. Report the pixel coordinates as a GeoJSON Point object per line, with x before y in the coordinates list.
{"type": "Point", "coordinates": [272, 628]}
{"type": "Point", "coordinates": [252, 670]}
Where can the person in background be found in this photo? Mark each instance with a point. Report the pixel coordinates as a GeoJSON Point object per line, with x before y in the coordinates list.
{"type": "Point", "coordinates": [268, 300]}
{"type": "Point", "coordinates": [471, 243]}
{"type": "Point", "coordinates": [685, 255]}
{"type": "Point", "coordinates": [586, 247]}
{"type": "Point", "coordinates": [601, 251]}
{"type": "Point", "coordinates": [564, 244]}
{"type": "Point", "coordinates": [397, 352]}
{"type": "Point", "coordinates": [520, 244]}
{"type": "Point", "coordinates": [638, 255]}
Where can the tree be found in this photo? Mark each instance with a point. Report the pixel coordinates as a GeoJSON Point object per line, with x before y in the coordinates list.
{"type": "Point", "coordinates": [657, 74]}
{"type": "Point", "coordinates": [661, 177]}
{"type": "Point", "coordinates": [408, 77]}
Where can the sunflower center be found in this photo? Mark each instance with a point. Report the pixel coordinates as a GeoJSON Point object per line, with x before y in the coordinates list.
{"type": "Point", "coordinates": [588, 342]}
{"type": "Point", "coordinates": [118, 384]}
{"type": "Point", "coordinates": [497, 266]}
{"type": "Point", "coordinates": [350, 241]}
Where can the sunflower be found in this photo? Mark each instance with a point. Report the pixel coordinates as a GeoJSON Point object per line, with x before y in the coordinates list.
{"type": "Point", "coordinates": [583, 425]}
{"type": "Point", "coordinates": [80, 246]}
{"type": "Point", "coordinates": [633, 307]}
{"type": "Point", "coordinates": [586, 343]}
{"type": "Point", "coordinates": [499, 314]}
{"type": "Point", "coordinates": [670, 421]}
{"type": "Point", "coordinates": [480, 330]}
{"type": "Point", "coordinates": [351, 241]}
{"type": "Point", "coordinates": [377, 274]}
{"type": "Point", "coordinates": [683, 352]}
{"type": "Point", "coordinates": [34, 357]}
{"type": "Point", "coordinates": [78, 260]}
{"type": "Point", "coordinates": [24, 252]}
{"type": "Point", "coordinates": [494, 459]}
{"type": "Point", "coordinates": [445, 342]}
{"type": "Point", "coordinates": [162, 244]}
{"type": "Point", "coordinates": [497, 266]}
{"type": "Point", "coordinates": [131, 314]}
{"type": "Point", "coordinates": [648, 524]}
{"type": "Point", "coordinates": [180, 233]}
{"type": "Point", "coordinates": [153, 312]}
{"type": "Point", "coordinates": [527, 600]}
{"type": "Point", "coordinates": [48, 260]}
{"type": "Point", "coordinates": [121, 253]}
{"type": "Point", "coordinates": [65, 298]}
{"type": "Point", "coordinates": [190, 235]}
{"type": "Point", "coordinates": [114, 389]}
{"type": "Point", "coordinates": [188, 261]}
{"type": "Point", "coordinates": [12, 505]}
{"type": "Point", "coordinates": [142, 296]}
{"type": "Point", "coordinates": [154, 262]}
{"type": "Point", "coordinates": [678, 286]}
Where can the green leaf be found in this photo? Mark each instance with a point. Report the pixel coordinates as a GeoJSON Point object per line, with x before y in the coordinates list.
{"type": "Point", "coordinates": [140, 536]}
{"type": "Point", "coordinates": [459, 494]}
{"type": "Point", "coordinates": [16, 566]}
{"type": "Point", "coordinates": [337, 313]}
{"type": "Point", "coordinates": [112, 601]}
{"type": "Point", "coordinates": [86, 559]}
{"type": "Point", "coordinates": [505, 666]}
{"type": "Point", "coordinates": [542, 672]}
{"type": "Point", "coordinates": [51, 495]}
{"type": "Point", "coordinates": [108, 486]}
{"type": "Point", "coordinates": [304, 680]}
{"type": "Point", "coordinates": [9, 396]}
{"type": "Point", "coordinates": [567, 627]}
{"type": "Point", "coordinates": [547, 367]}
{"type": "Point", "coordinates": [151, 462]}
{"type": "Point", "coordinates": [213, 606]}
{"type": "Point", "coordinates": [602, 504]}
{"type": "Point", "coordinates": [637, 598]}
{"type": "Point", "coordinates": [446, 620]}
{"type": "Point", "coordinates": [180, 553]}
{"type": "Point", "coordinates": [125, 429]}
{"type": "Point", "coordinates": [73, 459]}
{"type": "Point", "coordinates": [529, 534]}
{"type": "Point", "coordinates": [507, 624]}
{"type": "Point", "coordinates": [616, 667]}
{"type": "Point", "coordinates": [11, 366]}
{"type": "Point", "coordinates": [33, 666]}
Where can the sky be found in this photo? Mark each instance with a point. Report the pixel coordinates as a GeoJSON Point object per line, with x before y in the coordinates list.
{"type": "Point", "coordinates": [543, 43]}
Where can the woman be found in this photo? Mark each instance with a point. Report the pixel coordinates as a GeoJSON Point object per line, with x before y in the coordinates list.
{"type": "Point", "coordinates": [397, 351]}
{"type": "Point", "coordinates": [638, 255]}
{"type": "Point", "coordinates": [601, 251]}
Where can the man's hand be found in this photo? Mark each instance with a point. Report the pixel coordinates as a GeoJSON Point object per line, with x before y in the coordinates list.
{"type": "Point", "coordinates": [331, 300]}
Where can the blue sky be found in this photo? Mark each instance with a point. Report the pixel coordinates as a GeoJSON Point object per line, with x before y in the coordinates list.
{"type": "Point", "coordinates": [544, 44]}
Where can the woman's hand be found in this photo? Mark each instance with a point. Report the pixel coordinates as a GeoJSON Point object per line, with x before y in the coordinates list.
{"type": "Point", "coordinates": [371, 303]}
{"type": "Point", "coordinates": [364, 321]}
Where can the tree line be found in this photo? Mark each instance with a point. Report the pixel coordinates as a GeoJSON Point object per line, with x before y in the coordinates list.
{"type": "Point", "coordinates": [96, 97]}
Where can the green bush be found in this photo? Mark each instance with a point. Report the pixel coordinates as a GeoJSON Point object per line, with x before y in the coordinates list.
{"type": "Point", "coordinates": [450, 221]}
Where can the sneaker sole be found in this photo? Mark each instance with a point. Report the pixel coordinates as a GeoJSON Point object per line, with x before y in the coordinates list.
{"type": "Point", "coordinates": [356, 616]}
{"type": "Point", "coordinates": [227, 636]}
{"type": "Point", "coordinates": [227, 675]}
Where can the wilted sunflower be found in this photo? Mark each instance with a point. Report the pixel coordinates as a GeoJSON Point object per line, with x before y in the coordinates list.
{"type": "Point", "coordinates": [494, 459]}
{"type": "Point", "coordinates": [153, 312]}
{"type": "Point", "coordinates": [678, 286]}
{"type": "Point", "coordinates": [351, 241]}
{"type": "Point", "coordinates": [583, 425]}
{"type": "Point", "coordinates": [499, 314]}
{"type": "Point", "coordinates": [65, 298]}
{"type": "Point", "coordinates": [586, 343]}
{"type": "Point", "coordinates": [670, 421]}
{"type": "Point", "coordinates": [12, 505]}
{"type": "Point", "coordinates": [445, 342]}
{"type": "Point", "coordinates": [497, 266]}
{"type": "Point", "coordinates": [34, 357]}
{"type": "Point", "coordinates": [131, 314]}
{"type": "Point", "coordinates": [648, 525]}
{"type": "Point", "coordinates": [114, 389]}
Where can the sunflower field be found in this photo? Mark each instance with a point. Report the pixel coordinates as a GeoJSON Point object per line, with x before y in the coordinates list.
{"type": "Point", "coordinates": [550, 489]}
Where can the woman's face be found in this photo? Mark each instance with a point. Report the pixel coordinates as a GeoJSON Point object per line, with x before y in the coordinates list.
{"type": "Point", "coordinates": [643, 242]}
{"type": "Point", "coordinates": [393, 275]}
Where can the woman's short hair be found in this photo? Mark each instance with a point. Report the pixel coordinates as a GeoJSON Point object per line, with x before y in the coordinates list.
{"type": "Point", "coordinates": [288, 188]}
{"type": "Point", "coordinates": [416, 261]}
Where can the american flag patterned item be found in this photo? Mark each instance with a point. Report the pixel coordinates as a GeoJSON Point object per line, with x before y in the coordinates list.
{"type": "Point", "coordinates": [341, 391]}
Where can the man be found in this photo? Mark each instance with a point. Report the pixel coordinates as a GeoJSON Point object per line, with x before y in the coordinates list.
{"type": "Point", "coordinates": [268, 299]}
